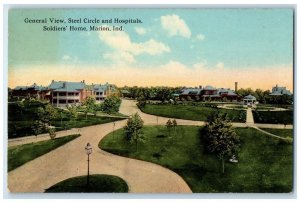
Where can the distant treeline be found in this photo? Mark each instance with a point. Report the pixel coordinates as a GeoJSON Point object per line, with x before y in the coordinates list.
{"type": "Point", "coordinates": [167, 93]}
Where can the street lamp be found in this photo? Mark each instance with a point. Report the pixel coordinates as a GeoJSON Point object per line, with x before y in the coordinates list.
{"type": "Point", "coordinates": [88, 150]}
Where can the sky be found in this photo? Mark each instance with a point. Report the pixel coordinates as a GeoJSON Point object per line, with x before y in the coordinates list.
{"type": "Point", "coordinates": [171, 47]}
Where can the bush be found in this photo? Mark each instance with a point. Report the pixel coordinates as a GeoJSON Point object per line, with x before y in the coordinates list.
{"type": "Point", "coordinates": [111, 104]}
{"type": "Point", "coordinates": [52, 133]}
{"type": "Point", "coordinates": [141, 104]}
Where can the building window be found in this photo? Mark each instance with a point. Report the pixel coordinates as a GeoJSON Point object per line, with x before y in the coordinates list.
{"type": "Point", "coordinates": [62, 94]}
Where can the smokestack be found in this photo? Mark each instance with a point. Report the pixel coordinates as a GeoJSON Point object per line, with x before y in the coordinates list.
{"type": "Point", "coordinates": [236, 86]}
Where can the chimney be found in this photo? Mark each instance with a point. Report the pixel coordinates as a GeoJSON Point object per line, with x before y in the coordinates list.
{"type": "Point", "coordinates": [83, 81]}
{"type": "Point", "coordinates": [200, 86]}
{"type": "Point", "coordinates": [235, 86]}
{"type": "Point", "coordinates": [52, 81]}
{"type": "Point", "coordinates": [64, 85]}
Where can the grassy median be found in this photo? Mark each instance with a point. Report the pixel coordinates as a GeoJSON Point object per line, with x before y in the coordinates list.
{"type": "Point", "coordinates": [190, 112]}
{"type": "Point", "coordinates": [97, 183]}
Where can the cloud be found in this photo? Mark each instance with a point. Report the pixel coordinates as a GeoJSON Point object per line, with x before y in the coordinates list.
{"type": "Point", "coordinates": [121, 44]}
{"type": "Point", "coordinates": [69, 59]}
{"type": "Point", "coordinates": [175, 26]}
{"type": "Point", "coordinates": [200, 37]}
{"type": "Point", "coordinates": [220, 65]}
{"type": "Point", "coordinates": [140, 30]}
{"type": "Point", "coordinates": [66, 57]}
{"type": "Point", "coordinates": [120, 57]}
{"type": "Point", "coordinates": [173, 73]}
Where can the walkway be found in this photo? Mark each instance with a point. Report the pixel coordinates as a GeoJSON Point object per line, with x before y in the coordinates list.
{"type": "Point", "coordinates": [263, 131]}
{"type": "Point", "coordinates": [69, 160]}
{"type": "Point", "coordinates": [249, 117]}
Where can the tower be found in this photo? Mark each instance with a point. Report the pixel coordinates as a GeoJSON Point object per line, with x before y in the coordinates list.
{"type": "Point", "coordinates": [235, 86]}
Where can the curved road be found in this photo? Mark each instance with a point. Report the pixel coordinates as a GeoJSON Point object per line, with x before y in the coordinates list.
{"type": "Point", "coordinates": [70, 160]}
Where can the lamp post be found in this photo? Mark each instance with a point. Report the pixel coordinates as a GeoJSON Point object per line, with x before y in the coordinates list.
{"type": "Point", "coordinates": [88, 150]}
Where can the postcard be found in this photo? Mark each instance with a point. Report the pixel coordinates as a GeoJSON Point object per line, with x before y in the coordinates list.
{"type": "Point", "coordinates": [150, 100]}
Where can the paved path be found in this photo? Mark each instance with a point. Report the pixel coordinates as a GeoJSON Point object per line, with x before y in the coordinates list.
{"type": "Point", "coordinates": [263, 131]}
{"type": "Point", "coordinates": [70, 160]}
{"type": "Point", "coordinates": [129, 107]}
{"type": "Point", "coordinates": [41, 137]}
{"type": "Point", "coordinates": [249, 117]}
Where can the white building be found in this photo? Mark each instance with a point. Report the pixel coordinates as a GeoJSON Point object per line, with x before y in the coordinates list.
{"type": "Point", "coordinates": [279, 91]}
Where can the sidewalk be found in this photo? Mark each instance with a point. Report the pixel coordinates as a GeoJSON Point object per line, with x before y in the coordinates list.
{"type": "Point", "coordinates": [41, 137]}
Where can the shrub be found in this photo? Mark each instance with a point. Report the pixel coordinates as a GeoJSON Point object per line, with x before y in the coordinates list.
{"type": "Point", "coordinates": [111, 104]}
{"type": "Point", "coordinates": [52, 133]}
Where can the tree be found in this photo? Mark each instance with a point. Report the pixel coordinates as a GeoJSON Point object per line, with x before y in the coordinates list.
{"type": "Point", "coordinates": [141, 102]}
{"type": "Point", "coordinates": [52, 133]}
{"type": "Point", "coordinates": [50, 113]}
{"type": "Point", "coordinates": [169, 125]}
{"type": "Point", "coordinates": [111, 104]}
{"type": "Point", "coordinates": [133, 129]}
{"type": "Point", "coordinates": [174, 124]}
{"type": "Point", "coordinates": [38, 127]}
{"type": "Point", "coordinates": [40, 112]}
{"type": "Point", "coordinates": [89, 106]}
{"type": "Point", "coordinates": [220, 137]}
{"type": "Point", "coordinates": [20, 107]}
{"type": "Point", "coordinates": [73, 111]}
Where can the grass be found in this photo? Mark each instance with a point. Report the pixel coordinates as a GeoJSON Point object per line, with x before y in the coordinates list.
{"type": "Point", "coordinates": [265, 163]}
{"type": "Point", "coordinates": [190, 112]}
{"type": "Point", "coordinates": [273, 117]}
{"type": "Point", "coordinates": [100, 113]}
{"type": "Point", "coordinates": [280, 132]}
{"type": "Point", "coordinates": [81, 121]}
{"type": "Point", "coordinates": [20, 123]}
{"type": "Point", "coordinates": [285, 106]}
{"type": "Point", "coordinates": [97, 183]}
{"type": "Point", "coordinates": [21, 154]}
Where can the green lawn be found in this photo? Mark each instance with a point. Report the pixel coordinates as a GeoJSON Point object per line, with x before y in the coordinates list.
{"type": "Point", "coordinates": [19, 155]}
{"type": "Point", "coordinates": [190, 112]}
{"type": "Point", "coordinates": [285, 106]}
{"type": "Point", "coordinates": [280, 132]}
{"type": "Point", "coordinates": [265, 163]}
{"type": "Point", "coordinates": [20, 123]}
{"type": "Point", "coordinates": [81, 121]}
{"type": "Point", "coordinates": [97, 183]}
{"type": "Point", "coordinates": [273, 117]}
